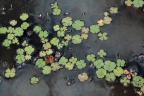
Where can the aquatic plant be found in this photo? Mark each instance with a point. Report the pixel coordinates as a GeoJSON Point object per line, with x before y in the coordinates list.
{"type": "Point", "coordinates": [10, 30]}
{"type": "Point", "coordinates": [102, 36]}
{"type": "Point", "coordinates": [6, 43]}
{"type": "Point", "coordinates": [24, 16]}
{"type": "Point", "coordinates": [130, 73]}
{"type": "Point", "coordinates": [138, 81]}
{"type": "Point", "coordinates": [49, 59]}
{"type": "Point", "coordinates": [138, 3]}
{"type": "Point", "coordinates": [10, 36]}
{"type": "Point", "coordinates": [85, 30]}
{"type": "Point", "coordinates": [46, 70]}
{"type": "Point", "coordinates": [100, 22]}
{"type": "Point", "coordinates": [118, 71]}
{"type": "Point", "coordinates": [98, 63]}
{"type": "Point", "coordinates": [83, 77]}
{"type": "Point", "coordinates": [84, 36]}
{"type": "Point", "coordinates": [80, 64]}
{"type": "Point", "coordinates": [109, 65]}
{"type": "Point", "coordinates": [27, 57]}
{"type": "Point", "coordinates": [73, 60]}
{"type": "Point", "coordinates": [56, 27]}
{"type": "Point", "coordinates": [63, 60]}
{"type": "Point", "coordinates": [128, 2]}
{"type": "Point", "coordinates": [113, 10]}
{"type": "Point", "coordinates": [20, 51]}
{"type": "Point", "coordinates": [10, 73]}
{"type": "Point", "coordinates": [94, 29]}
{"type": "Point", "coordinates": [47, 46]}
{"type": "Point", "coordinates": [56, 11]}
{"type": "Point", "coordinates": [142, 89]}
{"type": "Point", "coordinates": [25, 25]}
{"type": "Point", "coordinates": [29, 49]}
{"type": "Point", "coordinates": [54, 5]}
{"type": "Point", "coordinates": [107, 20]}
{"type": "Point", "coordinates": [68, 37]}
{"type": "Point", "coordinates": [40, 63]}
{"type": "Point", "coordinates": [43, 34]}
{"type": "Point", "coordinates": [13, 22]}
{"type": "Point", "coordinates": [37, 29]}
{"type": "Point", "coordinates": [60, 33]}
{"type": "Point", "coordinates": [102, 53]}
{"type": "Point", "coordinates": [18, 31]}
{"type": "Point", "coordinates": [120, 62]}
{"type": "Point", "coordinates": [78, 24]}
{"type": "Point", "coordinates": [125, 81]}
{"type": "Point", "coordinates": [106, 13]}
{"type": "Point", "coordinates": [20, 59]}
{"type": "Point", "coordinates": [76, 39]}
{"type": "Point", "coordinates": [67, 21]}
{"type": "Point", "coordinates": [110, 77]}
{"type": "Point", "coordinates": [3, 30]}
{"type": "Point", "coordinates": [34, 80]}
{"type": "Point", "coordinates": [101, 73]}
{"type": "Point", "coordinates": [54, 41]}
{"type": "Point", "coordinates": [69, 66]}
{"type": "Point", "coordinates": [91, 57]}
{"type": "Point", "coordinates": [55, 66]}
{"type": "Point", "coordinates": [42, 53]}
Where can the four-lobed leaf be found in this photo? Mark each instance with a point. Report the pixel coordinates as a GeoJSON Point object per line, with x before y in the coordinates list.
{"type": "Point", "coordinates": [29, 49]}
{"type": "Point", "coordinates": [78, 24]}
{"type": "Point", "coordinates": [99, 63]}
{"type": "Point", "coordinates": [125, 81]}
{"type": "Point", "coordinates": [118, 71]}
{"type": "Point", "coordinates": [73, 60]}
{"type": "Point", "coordinates": [80, 64]}
{"type": "Point", "coordinates": [91, 57]}
{"type": "Point", "coordinates": [120, 62]}
{"type": "Point", "coordinates": [102, 53]}
{"type": "Point", "coordinates": [40, 63]}
{"type": "Point", "coordinates": [94, 29]}
{"type": "Point", "coordinates": [63, 60]}
{"type": "Point", "coordinates": [37, 29]}
{"type": "Point", "coordinates": [76, 39]}
{"type": "Point", "coordinates": [46, 70]}
{"type": "Point", "coordinates": [109, 65]}
{"type": "Point", "coordinates": [83, 77]}
{"type": "Point", "coordinates": [110, 77]}
{"type": "Point", "coordinates": [24, 16]}
{"type": "Point", "coordinates": [10, 73]}
{"type": "Point", "coordinates": [34, 80]}
{"type": "Point", "coordinates": [54, 41]}
{"type": "Point", "coordinates": [101, 73]}
{"type": "Point", "coordinates": [102, 36]}
{"type": "Point", "coordinates": [67, 21]}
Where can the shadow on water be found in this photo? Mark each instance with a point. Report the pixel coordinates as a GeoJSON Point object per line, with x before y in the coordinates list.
{"type": "Point", "coordinates": [125, 37]}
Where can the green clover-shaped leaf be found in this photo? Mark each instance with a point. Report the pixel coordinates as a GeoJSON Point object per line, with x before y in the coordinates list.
{"type": "Point", "coordinates": [113, 10]}
{"type": "Point", "coordinates": [18, 31]}
{"type": "Point", "coordinates": [10, 73]}
{"type": "Point", "coordinates": [128, 2]}
{"type": "Point", "coordinates": [69, 66]}
{"type": "Point", "coordinates": [109, 65]}
{"type": "Point", "coordinates": [120, 62]}
{"type": "Point", "coordinates": [6, 43]}
{"type": "Point", "coordinates": [67, 21]}
{"type": "Point", "coordinates": [91, 57]}
{"type": "Point", "coordinates": [54, 41]}
{"type": "Point", "coordinates": [78, 24]}
{"type": "Point", "coordinates": [10, 36]}
{"type": "Point", "coordinates": [56, 11]}
{"type": "Point", "coordinates": [40, 63]}
{"type": "Point", "coordinates": [43, 34]}
{"type": "Point", "coordinates": [46, 45]}
{"type": "Point", "coordinates": [24, 16]}
{"type": "Point", "coordinates": [99, 63]}
{"type": "Point", "coordinates": [76, 39]}
{"type": "Point", "coordinates": [20, 59]}
{"type": "Point", "coordinates": [80, 64]}
{"type": "Point", "coordinates": [56, 27]}
{"type": "Point", "coordinates": [34, 80]}
{"type": "Point", "coordinates": [29, 49]}
{"type": "Point", "coordinates": [55, 66]}
{"type": "Point", "coordinates": [73, 60]}
{"type": "Point", "coordinates": [138, 81]}
{"type": "Point", "coordinates": [25, 25]}
{"type": "Point", "coordinates": [46, 70]}
{"type": "Point", "coordinates": [101, 73]}
{"type": "Point", "coordinates": [102, 53]}
{"type": "Point", "coordinates": [63, 60]}
{"type": "Point", "coordinates": [94, 29]}
{"type": "Point", "coordinates": [20, 51]}
{"type": "Point", "coordinates": [110, 77]}
{"type": "Point", "coordinates": [125, 81]}
{"type": "Point", "coordinates": [3, 30]}
{"type": "Point", "coordinates": [103, 36]}
{"type": "Point", "coordinates": [37, 29]}
{"type": "Point", "coordinates": [138, 3]}
{"type": "Point", "coordinates": [118, 71]}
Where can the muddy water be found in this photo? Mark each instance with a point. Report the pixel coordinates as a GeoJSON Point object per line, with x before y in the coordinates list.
{"type": "Point", "coordinates": [125, 37]}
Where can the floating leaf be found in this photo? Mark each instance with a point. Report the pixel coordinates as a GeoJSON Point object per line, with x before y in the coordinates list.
{"type": "Point", "coordinates": [25, 25]}
{"type": "Point", "coordinates": [55, 66]}
{"type": "Point", "coordinates": [10, 29]}
{"type": "Point", "coordinates": [68, 37]}
{"type": "Point", "coordinates": [18, 31]}
{"type": "Point", "coordinates": [46, 46]}
{"type": "Point", "coordinates": [67, 21]}
{"type": "Point", "coordinates": [91, 57]}
{"type": "Point", "coordinates": [125, 81]}
{"type": "Point", "coordinates": [34, 80]}
{"type": "Point", "coordinates": [138, 3]}
{"type": "Point", "coordinates": [80, 64]}
{"type": "Point", "coordinates": [69, 66]}
{"type": "Point", "coordinates": [28, 57]}
{"type": "Point", "coordinates": [54, 5]}
{"type": "Point", "coordinates": [118, 71]}
{"type": "Point", "coordinates": [49, 59]}
{"type": "Point", "coordinates": [109, 65]}
{"type": "Point", "coordinates": [73, 60]}
{"type": "Point", "coordinates": [76, 39]}
{"type": "Point", "coordinates": [106, 13]}
{"type": "Point", "coordinates": [13, 22]}
{"type": "Point", "coordinates": [3, 30]}
{"type": "Point", "coordinates": [49, 51]}
{"type": "Point", "coordinates": [10, 73]}
{"type": "Point", "coordinates": [54, 41]}
{"type": "Point", "coordinates": [20, 51]}
{"type": "Point", "coordinates": [142, 89]}
{"type": "Point", "coordinates": [84, 36]}
{"type": "Point", "coordinates": [120, 62]}
{"type": "Point", "coordinates": [56, 27]}
{"type": "Point", "coordinates": [42, 54]}
{"type": "Point", "coordinates": [83, 77]}
{"type": "Point", "coordinates": [56, 11]}
{"type": "Point", "coordinates": [40, 63]}
{"type": "Point", "coordinates": [15, 40]}
{"type": "Point", "coordinates": [99, 63]}
{"type": "Point", "coordinates": [10, 36]}
{"type": "Point", "coordinates": [20, 59]}
{"type": "Point", "coordinates": [94, 29]}
{"type": "Point", "coordinates": [46, 70]}
{"type": "Point", "coordinates": [29, 49]}
{"type": "Point", "coordinates": [63, 60]}
{"type": "Point", "coordinates": [101, 73]}
{"type": "Point", "coordinates": [37, 29]}
{"type": "Point", "coordinates": [138, 81]}
{"type": "Point", "coordinates": [110, 77]}
{"type": "Point", "coordinates": [128, 2]}
{"type": "Point", "coordinates": [78, 24]}
{"type": "Point", "coordinates": [102, 53]}
{"type": "Point", "coordinates": [24, 43]}
{"type": "Point", "coordinates": [43, 34]}
{"type": "Point", "coordinates": [60, 33]}
{"type": "Point", "coordinates": [24, 16]}
{"type": "Point", "coordinates": [103, 36]}
{"type": "Point", "coordinates": [6, 43]}
{"type": "Point", "coordinates": [85, 30]}
{"type": "Point", "coordinates": [100, 22]}
{"type": "Point", "coordinates": [113, 10]}
{"type": "Point", "coordinates": [107, 20]}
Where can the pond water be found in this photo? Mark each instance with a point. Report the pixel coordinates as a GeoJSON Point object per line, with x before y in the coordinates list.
{"type": "Point", "coordinates": [125, 37]}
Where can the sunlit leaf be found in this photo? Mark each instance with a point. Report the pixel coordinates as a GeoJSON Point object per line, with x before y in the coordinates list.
{"type": "Point", "coordinates": [24, 16]}
{"type": "Point", "coordinates": [46, 46]}
{"type": "Point", "coordinates": [29, 49]}
{"type": "Point", "coordinates": [67, 21]}
{"type": "Point", "coordinates": [118, 71]}
{"type": "Point", "coordinates": [101, 73]}
{"type": "Point", "coordinates": [40, 63]}
{"type": "Point", "coordinates": [113, 10]}
{"type": "Point", "coordinates": [54, 41]}
{"type": "Point", "coordinates": [99, 63]}
{"type": "Point", "coordinates": [3, 30]}
{"type": "Point", "coordinates": [76, 39]}
{"type": "Point", "coordinates": [80, 64]}
{"type": "Point", "coordinates": [102, 53]}
{"type": "Point", "coordinates": [25, 25]}
{"type": "Point", "coordinates": [73, 60]}
{"type": "Point", "coordinates": [120, 62]}
{"type": "Point", "coordinates": [138, 81]}
{"type": "Point", "coordinates": [34, 80]}
{"type": "Point", "coordinates": [18, 31]}
{"type": "Point", "coordinates": [37, 29]}
{"type": "Point", "coordinates": [56, 11]}
{"type": "Point", "coordinates": [46, 70]}
{"type": "Point", "coordinates": [91, 57]}
{"type": "Point", "coordinates": [10, 73]}
{"type": "Point", "coordinates": [78, 24]}
{"type": "Point", "coordinates": [109, 65]}
{"type": "Point", "coordinates": [94, 29]}
{"type": "Point", "coordinates": [63, 60]}
{"type": "Point", "coordinates": [103, 36]}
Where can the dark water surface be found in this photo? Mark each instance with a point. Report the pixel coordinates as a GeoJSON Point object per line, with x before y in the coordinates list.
{"type": "Point", "coordinates": [126, 36]}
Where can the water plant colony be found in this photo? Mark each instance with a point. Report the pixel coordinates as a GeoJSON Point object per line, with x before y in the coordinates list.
{"type": "Point", "coordinates": [48, 60]}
